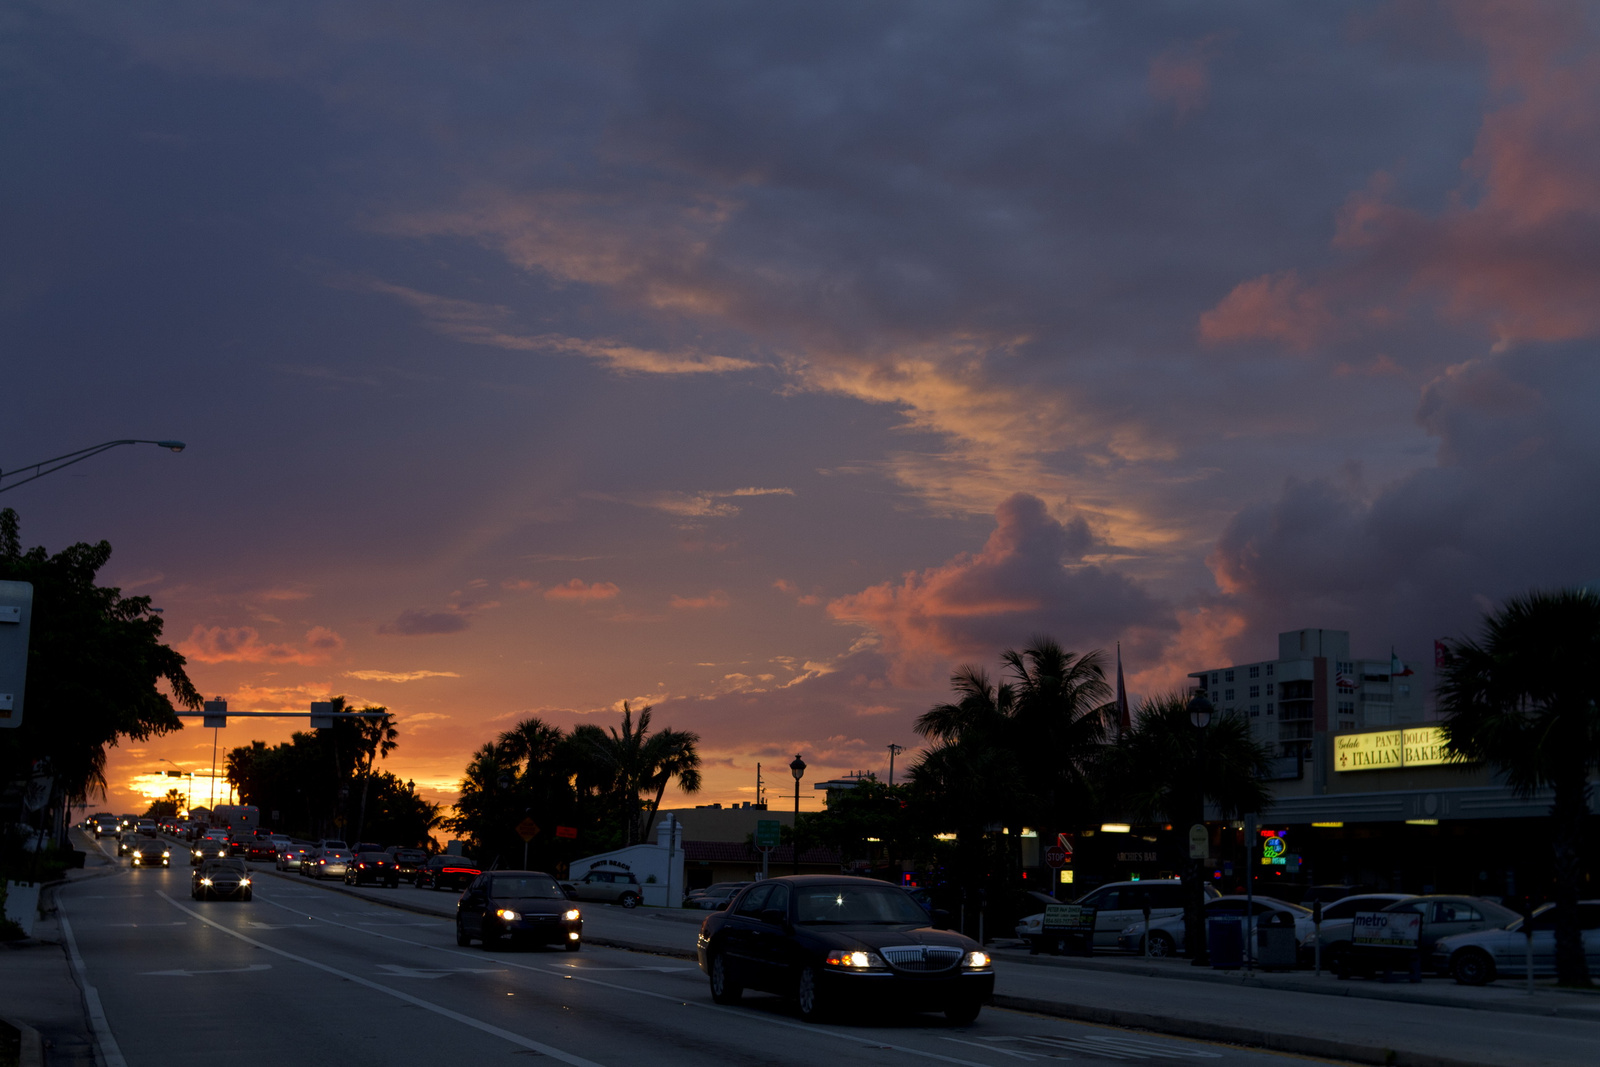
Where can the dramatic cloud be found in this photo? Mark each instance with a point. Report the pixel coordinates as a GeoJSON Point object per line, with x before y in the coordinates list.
{"type": "Point", "coordinates": [243, 644]}
{"type": "Point", "coordinates": [1027, 579]}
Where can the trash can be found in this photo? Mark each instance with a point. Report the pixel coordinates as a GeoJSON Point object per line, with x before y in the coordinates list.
{"type": "Point", "coordinates": [1275, 942]}
{"type": "Point", "coordinates": [1225, 938]}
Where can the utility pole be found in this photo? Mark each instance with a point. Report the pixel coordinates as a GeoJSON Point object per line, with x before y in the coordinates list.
{"type": "Point", "coordinates": [892, 750]}
{"type": "Point", "coordinates": [761, 801]}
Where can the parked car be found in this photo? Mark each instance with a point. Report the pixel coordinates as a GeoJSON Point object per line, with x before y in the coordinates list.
{"type": "Point", "coordinates": [445, 871]}
{"type": "Point", "coordinates": [407, 861]}
{"type": "Point", "coordinates": [517, 906]}
{"type": "Point", "coordinates": [1479, 958]}
{"type": "Point", "coordinates": [713, 897]}
{"type": "Point", "coordinates": [149, 852]}
{"type": "Point", "coordinates": [375, 867]}
{"type": "Point", "coordinates": [1167, 934]}
{"type": "Point", "coordinates": [1337, 920]}
{"type": "Point", "coordinates": [1116, 906]}
{"type": "Point", "coordinates": [222, 879]}
{"type": "Point", "coordinates": [607, 887]}
{"type": "Point", "coordinates": [834, 941]}
{"type": "Point", "coordinates": [1443, 915]}
{"type": "Point", "coordinates": [327, 863]}
{"type": "Point", "coordinates": [290, 857]}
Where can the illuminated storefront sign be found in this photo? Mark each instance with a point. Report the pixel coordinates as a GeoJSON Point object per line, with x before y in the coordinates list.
{"type": "Point", "coordinates": [1417, 746]}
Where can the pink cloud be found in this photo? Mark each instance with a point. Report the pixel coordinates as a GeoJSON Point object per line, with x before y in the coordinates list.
{"type": "Point", "coordinates": [243, 644]}
{"type": "Point", "coordinates": [1028, 578]}
{"type": "Point", "coordinates": [1274, 307]}
{"type": "Point", "coordinates": [1181, 75]}
{"type": "Point", "coordinates": [576, 589]}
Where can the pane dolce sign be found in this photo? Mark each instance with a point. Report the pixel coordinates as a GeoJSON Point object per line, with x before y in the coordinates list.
{"type": "Point", "coordinates": [1419, 746]}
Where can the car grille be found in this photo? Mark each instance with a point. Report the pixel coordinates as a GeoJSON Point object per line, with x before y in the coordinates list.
{"type": "Point", "coordinates": [921, 957]}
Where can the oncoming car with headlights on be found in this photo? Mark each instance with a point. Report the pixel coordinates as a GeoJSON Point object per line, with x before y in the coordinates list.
{"type": "Point", "coordinates": [833, 941]}
{"type": "Point", "coordinates": [519, 907]}
{"type": "Point", "coordinates": [224, 879]}
{"type": "Point", "coordinates": [148, 852]}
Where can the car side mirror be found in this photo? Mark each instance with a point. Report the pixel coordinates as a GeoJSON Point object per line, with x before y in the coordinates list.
{"type": "Point", "coordinates": [774, 917]}
{"type": "Point", "coordinates": [941, 919]}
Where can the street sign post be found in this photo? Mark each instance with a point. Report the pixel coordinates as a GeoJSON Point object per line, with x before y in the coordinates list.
{"type": "Point", "coordinates": [1199, 841]}
{"type": "Point", "coordinates": [527, 829]}
{"type": "Point", "coordinates": [1055, 857]}
{"type": "Point", "coordinates": [16, 617]}
{"type": "Point", "coordinates": [769, 832]}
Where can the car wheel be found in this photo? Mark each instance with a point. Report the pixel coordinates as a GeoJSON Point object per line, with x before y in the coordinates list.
{"type": "Point", "coordinates": [964, 1013]}
{"type": "Point", "coordinates": [1472, 966]}
{"type": "Point", "coordinates": [724, 990]}
{"type": "Point", "coordinates": [462, 937]}
{"type": "Point", "coordinates": [629, 900]}
{"type": "Point", "coordinates": [1162, 945]}
{"type": "Point", "coordinates": [809, 997]}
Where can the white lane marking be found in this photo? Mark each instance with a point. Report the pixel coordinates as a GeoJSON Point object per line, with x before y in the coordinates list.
{"type": "Point", "coordinates": [437, 1009]}
{"type": "Point", "coordinates": [770, 1020]}
{"type": "Point", "coordinates": [421, 972]}
{"type": "Point", "coordinates": [278, 926]}
{"type": "Point", "coordinates": [146, 925]}
{"type": "Point", "coordinates": [587, 969]}
{"type": "Point", "coordinates": [105, 1042]}
{"type": "Point", "coordinates": [191, 974]}
{"type": "Point", "coordinates": [1002, 1051]}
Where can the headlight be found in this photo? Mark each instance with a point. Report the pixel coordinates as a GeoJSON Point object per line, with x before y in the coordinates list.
{"type": "Point", "coordinates": [205, 881]}
{"type": "Point", "coordinates": [976, 961]}
{"type": "Point", "coordinates": [857, 961]}
{"type": "Point", "coordinates": [244, 881]}
{"type": "Point", "coordinates": [571, 915]}
{"type": "Point", "coordinates": [1032, 923]}
{"type": "Point", "coordinates": [166, 855]}
{"type": "Point", "coordinates": [508, 915]}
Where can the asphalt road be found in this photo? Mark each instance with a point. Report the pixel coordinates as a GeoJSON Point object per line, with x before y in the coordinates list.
{"type": "Point", "coordinates": [308, 975]}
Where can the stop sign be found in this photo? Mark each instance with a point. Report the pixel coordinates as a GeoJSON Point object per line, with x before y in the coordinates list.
{"type": "Point", "coordinates": [1055, 856]}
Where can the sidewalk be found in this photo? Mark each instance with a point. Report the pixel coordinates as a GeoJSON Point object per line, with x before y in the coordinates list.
{"type": "Point", "coordinates": [38, 992]}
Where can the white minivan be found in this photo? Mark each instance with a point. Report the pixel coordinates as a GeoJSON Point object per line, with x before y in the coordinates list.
{"type": "Point", "coordinates": [1116, 905]}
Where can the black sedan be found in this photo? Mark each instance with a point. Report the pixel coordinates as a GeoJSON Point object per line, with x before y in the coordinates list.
{"type": "Point", "coordinates": [447, 872]}
{"type": "Point", "coordinates": [375, 867]}
{"type": "Point", "coordinates": [225, 879]}
{"type": "Point", "coordinates": [408, 861]}
{"type": "Point", "coordinates": [148, 852]}
{"type": "Point", "coordinates": [829, 942]}
{"type": "Point", "coordinates": [517, 906]}
{"type": "Point", "coordinates": [207, 849]}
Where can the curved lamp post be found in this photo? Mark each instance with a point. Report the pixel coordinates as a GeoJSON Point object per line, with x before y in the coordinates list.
{"type": "Point", "coordinates": [1200, 710]}
{"type": "Point", "coordinates": [798, 769]}
{"type": "Point", "coordinates": [50, 466]}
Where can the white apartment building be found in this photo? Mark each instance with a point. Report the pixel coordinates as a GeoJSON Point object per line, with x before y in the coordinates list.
{"type": "Point", "coordinates": [1314, 687]}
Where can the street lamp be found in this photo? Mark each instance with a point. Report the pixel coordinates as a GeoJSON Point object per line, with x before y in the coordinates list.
{"type": "Point", "coordinates": [50, 466]}
{"type": "Point", "coordinates": [798, 769]}
{"type": "Point", "coordinates": [1200, 710]}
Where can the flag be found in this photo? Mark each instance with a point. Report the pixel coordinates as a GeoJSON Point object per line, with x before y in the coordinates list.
{"type": "Point", "coordinates": [1124, 720]}
{"type": "Point", "coordinates": [1396, 668]}
{"type": "Point", "coordinates": [1441, 655]}
{"type": "Point", "coordinates": [1345, 681]}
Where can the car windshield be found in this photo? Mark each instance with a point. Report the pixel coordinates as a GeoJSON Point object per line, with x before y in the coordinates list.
{"type": "Point", "coordinates": [526, 886]}
{"type": "Point", "coordinates": [857, 904]}
{"type": "Point", "coordinates": [410, 855]}
{"type": "Point", "coordinates": [455, 861]}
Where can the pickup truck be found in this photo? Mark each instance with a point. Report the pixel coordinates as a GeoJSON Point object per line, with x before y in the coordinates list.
{"type": "Point", "coordinates": [606, 887]}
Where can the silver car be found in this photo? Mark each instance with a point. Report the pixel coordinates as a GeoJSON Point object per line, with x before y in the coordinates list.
{"type": "Point", "coordinates": [607, 887]}
{"type": "Point", "coordinates": [1443, 915]}
{"type": "Point", "coordinates": [1167, 934]}
{"type": "Point", "coordinates": [327, 863]}
{"type": "Point", "coordinates": [1479, 958]}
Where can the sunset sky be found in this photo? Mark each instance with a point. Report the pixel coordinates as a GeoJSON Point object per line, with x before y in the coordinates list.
{"type": "Point", "coordinates": [764, 362]}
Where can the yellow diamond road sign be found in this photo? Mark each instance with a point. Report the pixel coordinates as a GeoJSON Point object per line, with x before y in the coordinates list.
{"type": "Point", "coordinates": [527, 829]}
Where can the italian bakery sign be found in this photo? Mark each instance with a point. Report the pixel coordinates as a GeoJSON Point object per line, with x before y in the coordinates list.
{"type": "Point", "coordinates": [1419, 746]}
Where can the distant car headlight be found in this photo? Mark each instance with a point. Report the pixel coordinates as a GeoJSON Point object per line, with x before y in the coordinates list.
{"type": "Point", "coordinates": [244, 881]}
{"type": "Point", "coordinates": [205, 881]}
{"type": "Point", "coordinates": [572, 915]}
{"type": "Point", "coordinates": [166, 855]}
{"type": "Point", "coordinates": [508, 915]}
{"type": "Point", "coordinates": [976, 961]}
{"type": "Point", "coordinates": [136, 857]}
{"type": "Point", "coordinates": [856, 961]}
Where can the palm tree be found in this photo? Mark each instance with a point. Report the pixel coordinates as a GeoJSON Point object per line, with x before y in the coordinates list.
{"type": "Point", "coordinates": [375, 739]}
{"type": "Point", "coordinates": [1523, 699]}
{"type": "Point", "coordinates": [636, 763]}
{"type": "Point", "coordinates": [1163, 766]}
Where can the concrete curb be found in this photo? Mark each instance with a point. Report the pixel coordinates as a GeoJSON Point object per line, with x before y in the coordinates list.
{"type": "Point", "coordinates": [1359, 989]}
{"type": "Point", "coordinates": [1296, 1044]}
